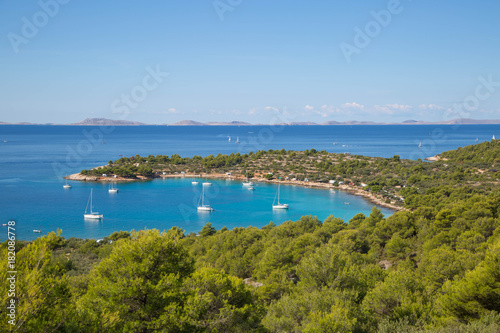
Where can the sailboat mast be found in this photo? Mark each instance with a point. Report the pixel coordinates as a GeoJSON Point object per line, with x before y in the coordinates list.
{"type": "Point", "coordinates": [203, 196]}
{"type": "Point", "coordinates": [279, 194]}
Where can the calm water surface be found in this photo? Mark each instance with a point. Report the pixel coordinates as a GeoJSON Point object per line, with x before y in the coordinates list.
{"type": "Point", "coordinates": [35, 158]}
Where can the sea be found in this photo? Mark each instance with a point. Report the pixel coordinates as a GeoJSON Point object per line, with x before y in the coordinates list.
{"type": "Point", "coordinates": [35, 158]}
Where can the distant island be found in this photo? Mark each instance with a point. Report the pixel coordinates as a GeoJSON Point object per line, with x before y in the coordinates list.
{"type": "Point", "coordinates": [111, 122]}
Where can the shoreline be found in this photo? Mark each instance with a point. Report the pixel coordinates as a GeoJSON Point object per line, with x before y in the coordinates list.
{"type": "Point", "coordinates": [346, 188]}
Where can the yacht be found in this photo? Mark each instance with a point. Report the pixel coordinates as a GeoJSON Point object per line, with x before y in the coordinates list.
{"type": "Point", "coordinates": [66, 185]}
{"type": "Point", "coordinates": [247, 183]}
{"type": "Point", "coordinates": [202, 207]}
{"type": "Point", "coordinates": [112, 189]}
{"type": "Point", "coordinates": [91, 215]}
{"type": "Point", "coordinates": [279, 205]}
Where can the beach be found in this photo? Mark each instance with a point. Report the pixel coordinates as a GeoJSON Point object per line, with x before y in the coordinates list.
{"type": "Point", "coordinates": [374, 198]}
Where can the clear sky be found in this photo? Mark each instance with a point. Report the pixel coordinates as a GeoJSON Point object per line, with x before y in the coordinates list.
{"type": "Point", "coordinates": [316, 60]}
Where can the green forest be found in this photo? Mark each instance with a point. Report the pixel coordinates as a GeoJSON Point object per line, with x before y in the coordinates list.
{"type": "Point", "coordinates": [434, 266]}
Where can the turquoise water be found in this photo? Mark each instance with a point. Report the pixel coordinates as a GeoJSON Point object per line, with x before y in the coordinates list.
{"type": "Point", "coordinates": [35, 158]}
{"type": "Point", "coordinates": [163, 204]}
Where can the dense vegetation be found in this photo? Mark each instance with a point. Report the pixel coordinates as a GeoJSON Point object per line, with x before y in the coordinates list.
{"type": "Point", "coordinates": [400, 182]}
{"type": "Point", "coordinates": [434, 267]}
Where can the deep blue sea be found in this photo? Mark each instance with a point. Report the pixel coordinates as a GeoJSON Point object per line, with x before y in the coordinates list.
{"type": "Point", "coordinates": [35, 158]}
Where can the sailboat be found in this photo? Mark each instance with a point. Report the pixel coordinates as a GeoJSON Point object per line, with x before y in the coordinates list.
{"type": "Point", "coordinates": [279, 205]}
{"type": "Point", "coordinates": [203, 207]}
{"type": "Point", "coordinates": [194, 182]}
{"type": "Point", "coordinates": [420, 144]}
{"type": "Point", "coordinates": [477, 139]}
{"type": "Point", "coordinates": [237, 140]}
{"type": "Point", "coordinates": [493, 138]}
{"type": "Point", "coordinates": [112, 189]}
{"type": "Point", "coordinates": [247, 183]}
{"type": "Point", "coordinates": [66, 185]}
{"type": "Point", "coordinates": [91, 214]}
{"type": "Point", "coordinates": [229, 138]}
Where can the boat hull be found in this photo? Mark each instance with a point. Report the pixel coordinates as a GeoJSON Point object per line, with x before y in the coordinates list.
{"type": "Point", "coordinates": [92, 216]}
{"type": "Point", "coordinates": [113, 191]}
{"type": "Point", "coordinates": [205, 209]}
{"type": "Point", "coordinates": [280, 206]}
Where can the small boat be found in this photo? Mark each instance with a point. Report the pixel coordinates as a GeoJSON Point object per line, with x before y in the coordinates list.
{"type": "Point", "coordinates": [91, 214]}
{"type": "Point", "coordinates": [493, 138]}
{"type": "Point", "coordinates": [237, 140]}
{"type": "Point", "coordinates": [477, 139]}
{"type": "Point", "coordinates": [420, 144]}
{"type": "Point", "coordinates": [279, 205]}
{"type": "Point", "coordinates": [229, 138]}
{"type": "Point", "coordinates": [37, 231]}
{"type": "Point", "coordinates": [112, 189]}
{"type": "Point", "coordinates": [5, 141]}
{"type": "Point", "coordinates": [347, 203]}
{"type": "Point", "coordinates": [195, 183]}
{"type": "Point", "coordinates": [207, 184]}
{"type": "Point", "coordinates": [247, 183]}
{"type": "Point", "coordinates": [66, 185]}
{"type": "Point", "coordinates": [202, 207]}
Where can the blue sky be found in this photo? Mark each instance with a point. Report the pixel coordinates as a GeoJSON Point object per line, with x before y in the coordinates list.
{"type": "Point", "coordinates": [255, 61]}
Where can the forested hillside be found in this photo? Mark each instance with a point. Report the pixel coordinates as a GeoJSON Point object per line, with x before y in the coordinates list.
{"type": "Point", "coordinates": [433, 267]}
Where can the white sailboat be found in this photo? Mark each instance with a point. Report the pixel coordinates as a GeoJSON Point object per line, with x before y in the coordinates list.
{"type": "Point", "coordinates": [247, 183]}
{"type": "Point", "coordinates": [112, 189]}
{"type": "Point", "coordinates": [420, 144]}
{"type": "Point", "coordinates": [229, 138]}
{"type": "Point", "coordinates": [477, 139]}
{"type": "Point", "coordinates": [202, 207]}
{"type": "Point", "coordinates": [493, 138]}
{"type": "Point", "coordinates": [237, 139]}
{"type": "Point", "coordinates": [279, 205]}
{"type": "Point", "coordinates": [66, 185]}
{"type": "Point", "coordinates": [207, 184]}
{"type": "Point", "coordinates": [194, 182]}
{"type": "Point", "coordinates": [91, 214]}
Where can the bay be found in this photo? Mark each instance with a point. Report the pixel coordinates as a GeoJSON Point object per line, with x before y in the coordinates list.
{"type": "Point", "coordinates": [35, 158]}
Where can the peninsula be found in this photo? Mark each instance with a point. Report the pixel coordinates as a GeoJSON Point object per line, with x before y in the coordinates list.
{"type": "Point", "coordinates": [390, 182]}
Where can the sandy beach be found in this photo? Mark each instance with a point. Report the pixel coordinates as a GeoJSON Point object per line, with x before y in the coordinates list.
{"type": "Point", "coordinates": [374, 198]}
